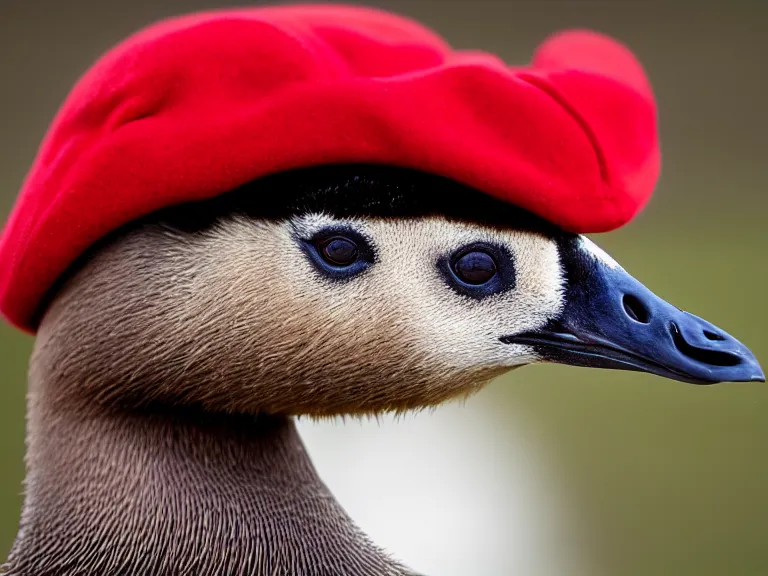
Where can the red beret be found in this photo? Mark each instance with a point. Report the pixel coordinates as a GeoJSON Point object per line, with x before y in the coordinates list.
{"type": "Point", "coordinates": [195, 106]}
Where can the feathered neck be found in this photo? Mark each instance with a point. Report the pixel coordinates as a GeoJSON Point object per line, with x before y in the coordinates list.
{"type": "Point", "coordinates": [162, 493]}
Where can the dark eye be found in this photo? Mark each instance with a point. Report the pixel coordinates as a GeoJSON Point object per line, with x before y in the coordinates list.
{"type": "Point", "coordinates": [339, 251]}
{"type": "Point", "coordinates": [475, 268]}
{"type": "Point", "coordinates": [479, 270]}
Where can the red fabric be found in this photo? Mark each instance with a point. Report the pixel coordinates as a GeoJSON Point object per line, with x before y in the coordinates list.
{"type": "Point", "coordinates": [195, 106]}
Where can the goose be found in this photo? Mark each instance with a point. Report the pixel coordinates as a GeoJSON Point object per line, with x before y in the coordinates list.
{"type": "Point", "coordinates": [175, 351]}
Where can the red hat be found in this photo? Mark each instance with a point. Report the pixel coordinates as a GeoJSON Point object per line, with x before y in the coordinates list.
{"type": "Point", "coordinates": [199, 105]}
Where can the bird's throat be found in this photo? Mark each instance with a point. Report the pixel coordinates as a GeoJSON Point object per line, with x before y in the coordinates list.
{"type": "Point", "coordinates": [164, 494]}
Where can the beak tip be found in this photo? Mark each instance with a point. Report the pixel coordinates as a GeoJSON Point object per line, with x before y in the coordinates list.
{"type": "Point", "coordinates": [758, 374]}
{"type": "Point", "coordinates": [750, 370]}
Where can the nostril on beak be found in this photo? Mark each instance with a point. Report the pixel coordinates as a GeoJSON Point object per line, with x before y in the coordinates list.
{"type": "Point", "coordinates": [703, 355]}
{"type": "Point", "coordinates": [635, 309]}
{"type": "Point", "coordinates": [709, 335]}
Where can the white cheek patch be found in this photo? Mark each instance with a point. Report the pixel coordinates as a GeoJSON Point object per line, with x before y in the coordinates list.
{"type": "Point", "coordinates": [406, 291]}
{"type": "Point", "coordinates": [452, 329]}
{"type": "Point", "coordinates": [598, 253]}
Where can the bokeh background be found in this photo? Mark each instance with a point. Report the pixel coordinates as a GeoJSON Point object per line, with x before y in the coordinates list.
{"type": "Point", "coordinates": [551, 470]}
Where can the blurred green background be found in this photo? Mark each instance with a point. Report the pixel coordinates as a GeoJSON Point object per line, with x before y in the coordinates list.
{"type": "Point", "coordinates": [672, 479]}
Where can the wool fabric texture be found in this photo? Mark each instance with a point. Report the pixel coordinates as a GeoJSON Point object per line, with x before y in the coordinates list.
{"type": "Point", "coordinates": [195, 106]}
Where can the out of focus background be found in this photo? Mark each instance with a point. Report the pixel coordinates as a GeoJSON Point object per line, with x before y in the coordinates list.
{"type": "Point", "coordinates": [550, 471]}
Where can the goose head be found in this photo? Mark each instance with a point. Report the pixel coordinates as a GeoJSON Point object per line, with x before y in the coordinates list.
{"type": "Point", "coordinates": [354, 290]}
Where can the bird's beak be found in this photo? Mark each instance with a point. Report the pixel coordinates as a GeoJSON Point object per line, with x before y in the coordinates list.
{"type": "Point", "coordinates": [610, 320]}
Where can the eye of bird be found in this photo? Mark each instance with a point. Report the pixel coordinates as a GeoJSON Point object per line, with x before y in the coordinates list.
{"type": "Point", "coordinates": [475, 267]}
{"type": "Point", "coordinates": [478, 270]}
{"type": "Point", "coordinates": [338, 251]}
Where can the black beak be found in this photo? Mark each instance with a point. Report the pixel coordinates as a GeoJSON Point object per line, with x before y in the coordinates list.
{"type": "Point", "coordinates": [610, 320]}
